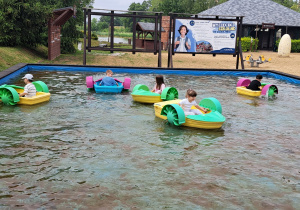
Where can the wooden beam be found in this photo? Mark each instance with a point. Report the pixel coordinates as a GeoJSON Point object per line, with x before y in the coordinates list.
{"type": "Point", "coordinates": [63, 18]}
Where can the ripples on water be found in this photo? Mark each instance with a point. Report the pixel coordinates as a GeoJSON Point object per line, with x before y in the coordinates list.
{"type": "Point", "coordinates": [88, 150]}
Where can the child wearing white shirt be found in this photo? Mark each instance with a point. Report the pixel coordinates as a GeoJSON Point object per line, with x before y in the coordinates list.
{"type": "Point", "coordinates": [29, 89]}
{"type": "Point", "coordinates": [189, 101]}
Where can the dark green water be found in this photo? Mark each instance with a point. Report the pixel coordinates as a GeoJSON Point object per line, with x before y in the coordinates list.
{"type": "Point", "coordinates": [83, 150]}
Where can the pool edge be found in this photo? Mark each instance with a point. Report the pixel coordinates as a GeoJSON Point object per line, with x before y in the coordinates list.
{"type": "Point", "coordinates": [19, 66]}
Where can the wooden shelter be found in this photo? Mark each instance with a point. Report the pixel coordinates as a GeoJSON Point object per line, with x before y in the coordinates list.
{"type": "Point", "coordinates": [134, 15]}
{"type": "Point", "coordinates": [143, 30]}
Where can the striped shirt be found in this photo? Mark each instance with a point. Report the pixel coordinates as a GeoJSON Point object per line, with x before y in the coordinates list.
{"type": "Point", "coordinates": [30, 89]}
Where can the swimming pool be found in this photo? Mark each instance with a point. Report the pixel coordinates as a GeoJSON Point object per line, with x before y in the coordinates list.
{"type": "Point", "coordinates": [88, 150]}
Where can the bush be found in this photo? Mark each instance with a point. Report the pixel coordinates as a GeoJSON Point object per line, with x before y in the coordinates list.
{"type": "Point", "coordinates": [295, 45]}
{"type": "Point", "coordinates": [246, 44]}
{"type": "Point", "coordinates": [94, 36]}
{"type": "Point", "coordinates": [67, 45]}
{"type": "Point", "coordinates": [81, 34]}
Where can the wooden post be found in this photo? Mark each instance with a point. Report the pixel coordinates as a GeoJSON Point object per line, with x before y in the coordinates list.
{"type": "Point", "coordinates": [155, 34]}
{"type": "Point", "coordinates": [84, 37]}
{"type": "Point", "coordinates": [89, 30]}
{"type": "Point", "coordinates": [134, 33]}
{"type": "Point", "coordinates": [159, 40]}
{"type": "Point", "coordinates": [240, 49]}
{"type": "Point", "coordinates": [112, 32]}
{"type": "Point", "coordinates": [256, 29]}
{"type": "Point", "coordinates": [170, 62]}
{"type": "Point", "coordinates": [240, 52]}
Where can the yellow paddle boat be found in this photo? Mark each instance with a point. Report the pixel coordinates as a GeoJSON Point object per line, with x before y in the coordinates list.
{"type": "Point", "coordinates": [171, 111]}
{"type": "Point", "coordinates": [141, 93]}
{"type": "Point", "coordinates": [9, 94]}
{"type": "Point", "coordinates": [267, 89]}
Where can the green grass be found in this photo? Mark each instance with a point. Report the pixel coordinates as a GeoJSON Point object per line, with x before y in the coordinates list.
{"type": "Point", "coordinates": [11, 56]}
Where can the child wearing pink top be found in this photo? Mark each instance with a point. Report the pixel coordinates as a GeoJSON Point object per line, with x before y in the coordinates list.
{"type": "Point", "coordinates": [160, 85]}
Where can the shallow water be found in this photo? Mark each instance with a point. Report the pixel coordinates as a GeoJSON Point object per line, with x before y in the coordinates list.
{"type": "Point", "coordinates": [85, 150]}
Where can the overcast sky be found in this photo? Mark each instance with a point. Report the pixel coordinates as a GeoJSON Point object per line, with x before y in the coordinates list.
{"type": "Point", "coordinates": [114, 4]}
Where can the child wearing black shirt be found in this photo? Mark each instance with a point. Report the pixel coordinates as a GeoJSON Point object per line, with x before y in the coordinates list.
{"type": "Point", "coordinates": [255, 84]}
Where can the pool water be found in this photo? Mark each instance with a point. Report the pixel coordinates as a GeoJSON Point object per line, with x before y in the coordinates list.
{"type": "Point", "coordinates": [83, 150]}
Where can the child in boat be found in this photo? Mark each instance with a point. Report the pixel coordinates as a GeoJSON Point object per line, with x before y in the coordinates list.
{"type": "Point", "coordinates": [189, 101]}
{"type": "Point", "coordinates": [255, 84]}
{"type": "Point", "coordinates": [108, 80]}
{"type": "Point", "coordinates": [29, 89]}
{"type": "Point", "coordinates": [160, 85]}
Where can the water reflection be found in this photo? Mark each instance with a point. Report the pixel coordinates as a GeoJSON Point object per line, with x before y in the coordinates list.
{"type": "Point", "coordinates": [183, 135]}
{"type": "Point", "coordinates": [116, 40]}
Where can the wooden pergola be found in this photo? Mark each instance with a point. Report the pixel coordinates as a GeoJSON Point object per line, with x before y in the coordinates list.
{"type": "Point", "coordinates": [143, 30]}
{"type": "Point", "coordinates": [133, 15]}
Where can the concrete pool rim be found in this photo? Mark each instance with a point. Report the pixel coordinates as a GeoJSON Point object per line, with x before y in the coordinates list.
{"type": "Point", "coordinates": [23, 67]}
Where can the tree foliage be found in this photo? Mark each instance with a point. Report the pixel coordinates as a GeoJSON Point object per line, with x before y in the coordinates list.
{"type": "Point", "coordinates": [197, 6]}
{"type": "Point", "coordinates": [69, 31]}
{"type": "Point", "coordinates": [286, 3]}
{"type": "Point", "coordinates": [25, 22]}
{"type": "Point", "coordinates": [144, 6]}
{"type": "Point", "coordinates": [183, 6]}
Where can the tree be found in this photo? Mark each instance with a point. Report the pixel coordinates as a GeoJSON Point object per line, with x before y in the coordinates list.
{"type": "Point", "coordinates": [127, 22]}
{"type": "Point", "coordinates": [296, 7]}
{"type": "Point", "coordinates": [168, 6]}
{"type": "Point", "coordinates": [94, 25]}
{"type": "Point", "coordinates": [286, 3]}
{"type": "Point", "coordinates": [102, 26]}
{"type": "Point", "coordinates": [183, 6]}
{"type": "Point", "coordinates": [24, 22]}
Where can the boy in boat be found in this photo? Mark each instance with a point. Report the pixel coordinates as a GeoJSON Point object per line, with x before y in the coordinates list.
{"type": "Point", "coordinates": [29, 89]}
{"type": "Point", "coordinates": [108, 80]}
{"type": "Point", "coordinates": [255, 84]}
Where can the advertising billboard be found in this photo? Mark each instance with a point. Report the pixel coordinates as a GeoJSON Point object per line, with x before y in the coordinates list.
{"type": "Point", "coordinates": [205, 36]}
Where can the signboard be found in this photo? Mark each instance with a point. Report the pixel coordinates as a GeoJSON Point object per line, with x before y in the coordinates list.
{"type": "Point", "coordinates": [205, 36]}
{"type": "Point", "coordinates": [268, 25]}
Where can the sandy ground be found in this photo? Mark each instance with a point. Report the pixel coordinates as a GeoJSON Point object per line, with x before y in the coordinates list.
{"type": "Point", "coordinates": [288, 65]}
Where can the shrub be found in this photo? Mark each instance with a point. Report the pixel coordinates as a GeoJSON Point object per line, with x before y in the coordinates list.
{"type": "Point", "coordinates": [81, 34]}
{"type": "Point", "coordinates": [295, 45]}
{"type": "Point", "coordinates": [94, 36]}
{"type": "Point", "coordinates": [246, 44]}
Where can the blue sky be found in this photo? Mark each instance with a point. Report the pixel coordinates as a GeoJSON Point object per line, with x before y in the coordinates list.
{"type": "Point", "coordinates": [114, 4]}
